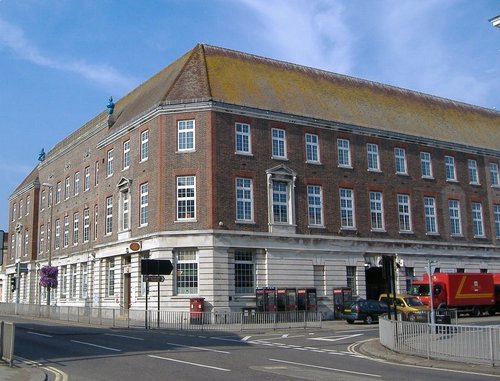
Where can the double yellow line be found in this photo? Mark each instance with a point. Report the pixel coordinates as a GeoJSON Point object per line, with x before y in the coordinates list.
{"type": "Point", "coordinates": [59, 375]}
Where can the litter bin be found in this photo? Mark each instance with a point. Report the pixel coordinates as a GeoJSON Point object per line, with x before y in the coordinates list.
{"type": "Point", "coordinates": [444, 322]}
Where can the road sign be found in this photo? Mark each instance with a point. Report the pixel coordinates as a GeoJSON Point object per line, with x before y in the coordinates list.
{"type": "Point", "coordinates": [156, 267]}
{"type": "Point", "coordinates": [21, 268]}
{"type": "Point", "coordinates": [154, 278]}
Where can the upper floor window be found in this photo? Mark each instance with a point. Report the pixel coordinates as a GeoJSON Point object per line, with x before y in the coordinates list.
{"type": "Point", "coordinates": [144, 145]}
{"type": "Point", "coordinates": [425, 165]}
{"type": "Point", "coordinates": [66, 232]}
{"type": "Point", "coordinates": [57, 236]}
{"type": "Point", "coordinates": [42, 239]}
{"type": "Point", "coordinates": [76, 227]}
{"type": "Point", "coordinates": [455, 218]}
{"type": "Point", "coordinates": [125, 209]}
{"type": "Point", "coordinates": [185, 135]}
{"type": "Point", "coordinates": [21, 204]}
{"type": "Point", "coordinates": [96, 174]}
{"type": "Point", "coordinates": [109, 215]}
{"type": "Point", "coordinates": [376, 211]}
{"type": "Point", "coordinates": [312, 148]}
{"type": "Point", "coordinates": [494, 175]}
{"type": "Point", "coordinates": [280, 202]}
{"type": "Point", "coordinates": [472, 167]}
{"type": "Point", "coordinates": [244, 199]}
{"type": "Point", "coordinates": [315, 205]}
{"type": "Point", "coordinates": [430, 215]}
{"type": "Point", "coordinates": [373, 157]}
{"type": "Point", "coordinates": [278, 143]}
{"type": "Point", "coordinates": [451, 171]}
{"type": "Point", "coordinates": [281, 198]}
{"type": "Point", "coordinates": [109, 163]}
{"type": "Point", "coordinates": [243, 141]}
{"type": "Point", "coordinates": [477, 219]}
{"type": "Point", "coordinates": [347, 208]}
{"type": "Point", "coordinates": [43, 201]}
{"type": "Point", "coordinates": [344, 152]}
{"type": "Point", "coordinates": [144, 205]}
{"type": "Point", "coordinates": [66, 188]}
{"type": "Point", "coordinates": [496, 216]}
{"type": "Point", "coordinates": [14, 211]}
{"type": "Point", "coordinates": [126, 154]}
{"type": "Point", "coordinates": [404, 213]}
{"type": "Point", "coordinates": [400, 161]}
{"type": "Point", "coordinates": [86, 225]}
{"type": "Point", "coordinates": [186, 197]}
{"type": "Point", "coordinates": [28, 203]}
{"type": "Point", "coordinates": [58, 192]}
{"type": "Point", "coordinates": [76, 184]}
{"type": "Point", "coordinates": [86, 180]}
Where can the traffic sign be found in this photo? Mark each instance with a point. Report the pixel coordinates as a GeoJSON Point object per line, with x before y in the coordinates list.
{"type": "Point", "coordinates": [156, 267]}
{"type": "Point", "coordinates": [154, 278]}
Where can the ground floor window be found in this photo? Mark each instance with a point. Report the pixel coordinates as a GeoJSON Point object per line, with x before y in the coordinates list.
{"type": "Point", "coordinates": [351, 280]}
{"type": "Point", "coordinates": [187, 272]}
{"type": "Point", "coordinates": [110, 277]}
{"type": "Point", "coordinates": [244, 279]}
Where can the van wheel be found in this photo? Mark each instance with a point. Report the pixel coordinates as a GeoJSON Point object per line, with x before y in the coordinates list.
{"type": "Point", "coordinates": [350, 321]}
{"type": "Point", "coordinates": [476, 312]}
{"type": "Point", "coordinates": [369, 319]}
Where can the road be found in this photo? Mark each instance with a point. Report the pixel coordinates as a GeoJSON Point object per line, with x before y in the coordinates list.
{"type": "Point", "coordinates": [89, 353]}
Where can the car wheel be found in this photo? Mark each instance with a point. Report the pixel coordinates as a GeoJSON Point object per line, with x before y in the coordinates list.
{"type": "Point", "coordinates": [350, 321]}
{"type": "Point", "coordinates": [369, 319]}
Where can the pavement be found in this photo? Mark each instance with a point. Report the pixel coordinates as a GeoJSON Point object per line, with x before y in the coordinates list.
{"type": "Point", "coordinates": [28, 371]}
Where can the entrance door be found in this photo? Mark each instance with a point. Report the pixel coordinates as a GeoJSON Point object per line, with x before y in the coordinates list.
{"type": "Point", "coordinates": [375, 283]}
{"type": "Point", "coordinates": [126, 291]}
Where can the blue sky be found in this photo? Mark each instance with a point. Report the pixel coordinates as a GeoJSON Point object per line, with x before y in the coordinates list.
{"type": "Point", "coordinates": [60, 60]}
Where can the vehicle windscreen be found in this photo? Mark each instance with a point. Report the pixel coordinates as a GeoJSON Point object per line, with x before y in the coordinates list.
{"type": "Point", "coordinates": [413, 302]}
{"type": "Point", "coordinates": [419, 289]}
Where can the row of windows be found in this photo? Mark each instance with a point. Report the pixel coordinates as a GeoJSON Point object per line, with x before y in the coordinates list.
{"type": "Point", "coordinates": [281, 208]}
{"type": "Point", "coordinates": [312, 152]}
{"type": "Point", "coordinates": [63, 233]}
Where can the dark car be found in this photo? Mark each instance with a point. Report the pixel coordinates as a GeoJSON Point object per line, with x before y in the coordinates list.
{"type": "Point", "coordinates": [365, 310]}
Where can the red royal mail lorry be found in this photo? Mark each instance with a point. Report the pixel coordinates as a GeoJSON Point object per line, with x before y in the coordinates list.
{"type": "Point", "coordinates": [472, 293]}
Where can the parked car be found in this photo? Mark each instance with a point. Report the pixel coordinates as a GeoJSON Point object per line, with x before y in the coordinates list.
{"type": "Point", "coordinates": [365, 310]}
{"type": "Point", "coordinates": [409, 306]}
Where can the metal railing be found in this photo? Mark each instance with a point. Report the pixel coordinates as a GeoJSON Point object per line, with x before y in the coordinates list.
{"type": "Point", "coordinates": [7, 338]}
{"type": "Point", "coordinates": [470, 344]}
{"type": "Point", "coordinates": [163, 319]}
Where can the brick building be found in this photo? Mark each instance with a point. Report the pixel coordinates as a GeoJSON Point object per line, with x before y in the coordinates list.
{"type": "Point", "coordinates": [248, 172]}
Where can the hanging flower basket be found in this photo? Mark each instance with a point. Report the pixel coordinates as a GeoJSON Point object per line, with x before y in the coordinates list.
{"type": "Point", "coordinates": [48, 277]}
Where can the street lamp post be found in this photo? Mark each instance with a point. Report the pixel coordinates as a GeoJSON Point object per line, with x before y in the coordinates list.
{"type": "Point", "coordinates": [49, 236]}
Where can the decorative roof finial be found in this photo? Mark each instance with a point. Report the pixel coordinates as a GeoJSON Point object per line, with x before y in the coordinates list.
{"type": "Point", "coordinates": [110, 106]}
{"type": "Point", "coordinates": [41, 155]}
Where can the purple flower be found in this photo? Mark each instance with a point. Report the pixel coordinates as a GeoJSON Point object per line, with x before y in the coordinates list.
{"type": "Point", "coordinates": [48, 276]}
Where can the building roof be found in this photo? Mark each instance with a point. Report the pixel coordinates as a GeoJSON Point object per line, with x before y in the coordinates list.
{"type": "Point", "coordinates": [209, 72]}
{"type": "Point", "coordinates": [212, 73]}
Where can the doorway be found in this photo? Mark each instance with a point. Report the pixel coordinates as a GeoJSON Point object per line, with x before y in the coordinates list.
{"type": "Point", "coordinates": [375, 282]}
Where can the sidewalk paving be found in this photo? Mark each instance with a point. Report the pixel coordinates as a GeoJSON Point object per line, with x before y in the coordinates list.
{"type": "Point", "coordinates": [21, 372]}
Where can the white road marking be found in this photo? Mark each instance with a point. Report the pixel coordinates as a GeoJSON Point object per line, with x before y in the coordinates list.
{"type": "Point", "coordinates": [124, 336]}
{"type": "Point", "coordinates": [190, 363]}
{"type": "Point", "coordinates": [95, 345]}
{"type": "Point", "coordinates": [199, 348]}
{"type": "Point", "coordinates": [246, 338]}
{"type": "Point", "coordinates": [39, 334]}
{"type": "Point", "coordinates": [335, 338]}
{"type": "Point", "coordinates": [326, 368]}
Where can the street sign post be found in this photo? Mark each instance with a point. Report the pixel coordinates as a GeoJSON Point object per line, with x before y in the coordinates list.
{"type": "Point", "coordinates": [153, 278]}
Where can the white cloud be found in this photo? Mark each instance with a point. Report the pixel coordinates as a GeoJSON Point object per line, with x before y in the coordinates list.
{"type": "Point", "coordinates": [12, 37]}
{"type": "Point", "coordinates": [311, 32]}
